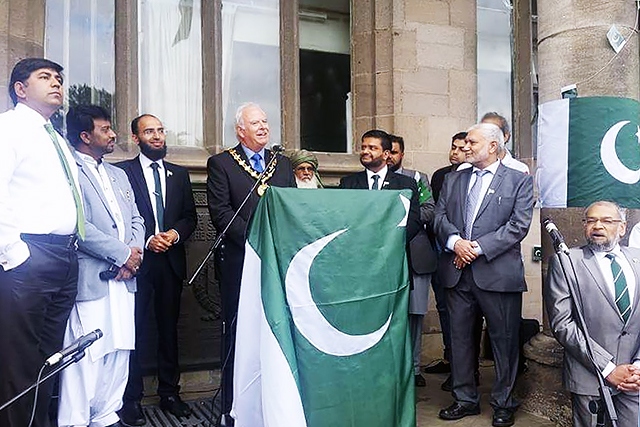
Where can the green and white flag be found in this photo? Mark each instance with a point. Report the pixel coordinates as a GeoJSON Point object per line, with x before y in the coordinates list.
{"type": "Point", "coordinates": [322, 337]}
{"type": "Point", "coordinates": [589, 150]}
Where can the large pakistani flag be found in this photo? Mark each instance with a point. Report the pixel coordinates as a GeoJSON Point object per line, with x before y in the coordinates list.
{"type": "Point", "coordinates": [588, 150]}
{"type": "Point", "coordinates": [322, 335]}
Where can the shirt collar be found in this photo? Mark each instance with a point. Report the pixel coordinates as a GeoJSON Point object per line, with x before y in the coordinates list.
{"type": "Point", "coordinates": [88, 159]}
{"type": "Point", "coordinates": [250, 153]}
{"type": "Point", "coordinates": [616, 251]}
{"type": "Point", "coordinates": [145, 162]}
{"type": "Point", "coordinates": [382, 173]}
{"type": "Point", "coordinates": [493, 167]}
{"type": "Point", "coordinates": [32, 114]}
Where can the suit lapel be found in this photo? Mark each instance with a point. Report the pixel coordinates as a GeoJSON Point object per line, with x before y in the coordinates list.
{"type": "Point", "coordinates": [170, 183]}
{"type": "Point", "coordinates": [138, 183]}
{"type": "Point", "coordinates": [83, 167]}
{"type": "Point", "coordinates": [635, 265]}
{"type": "Point", "coordinates": [462, 188]}
{"type": "Point", "coordinates": [591, 264]}
{"type": "Point", "coordinates": [494, 185]}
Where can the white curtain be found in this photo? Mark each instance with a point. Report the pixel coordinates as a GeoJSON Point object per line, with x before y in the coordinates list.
{"type": "Point", "coordinates": [170, 67]}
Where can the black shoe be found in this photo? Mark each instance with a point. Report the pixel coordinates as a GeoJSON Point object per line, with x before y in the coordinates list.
{"type": "Point", "coordinates": [131, 414]}
{"type": "Point", "coordinates": [226, 420]}
{"type": "Point", "coordinates": [503, 417]}
{"type": "Point", "coordinates": [447, 384]}
{"type": "Point", "coordinates": [457, 411]}
{"type": "Point", "coordinates": [419, 380]}
{"type": "Point", "coordinates": [442, 367]}
{"type": "Point", "coordinates": [175, 406]}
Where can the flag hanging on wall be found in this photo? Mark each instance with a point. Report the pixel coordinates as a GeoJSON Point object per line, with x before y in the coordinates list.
{"type": "Point", "coordinates": [589, 150]}
{"type": "Point", "coordinates": [322, 336]}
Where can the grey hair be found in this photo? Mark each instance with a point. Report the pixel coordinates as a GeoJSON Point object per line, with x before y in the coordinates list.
{"type": "Point", "coordinates": [622, 212]}
{"type": "Point", "coordinates": [490, 132]}
{"type": "Point", "coordinates": [240, 110]}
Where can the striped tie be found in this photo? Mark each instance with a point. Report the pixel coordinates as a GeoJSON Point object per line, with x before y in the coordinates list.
{"type": "Point", "coordinates": [622, 290]}
{"type": "Point", "coordinates": [472, 200]}
{"type": "Point", "coordinates": [374, 186]}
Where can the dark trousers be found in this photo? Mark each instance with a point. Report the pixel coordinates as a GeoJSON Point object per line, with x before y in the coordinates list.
{"type": "Point", "coordinates": [443, 313]}
{"type": "Point", "coordinates": [502, 311]}
{"type": "Point", "coordinates": [158, 284]}
{"type": "Point", "coordinates": [229, 263]}
{"type": "Point", "coordinates": [35, 301]}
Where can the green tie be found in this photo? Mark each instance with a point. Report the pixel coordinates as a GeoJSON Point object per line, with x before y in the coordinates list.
{"type": "Point", "coordinates": [622, 291]}
{"type": "Point", "coordinates": [72, 185]}
{"type": "Point", "coordinates": [158, 194]}
{"type": "Point", "coordinates": [374, 186]}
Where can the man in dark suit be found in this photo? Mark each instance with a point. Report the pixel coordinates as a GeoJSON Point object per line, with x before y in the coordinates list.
{"type": "Point", "coordinates": [607, 278]}
{"type": "Point", "coordinates": [165, 201]}
{"type": "Point", "coordinates": [423, 258]}
{"type": "Point", "coordinates": [375, 150]}
{"type": "Point", "coordinates": [230, 177]}
{"type": "Point", "coordinates": [482, 215]}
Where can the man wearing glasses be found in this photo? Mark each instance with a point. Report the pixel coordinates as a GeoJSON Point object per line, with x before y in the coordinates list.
{"type": "Point", "coordinates": [607, 278]}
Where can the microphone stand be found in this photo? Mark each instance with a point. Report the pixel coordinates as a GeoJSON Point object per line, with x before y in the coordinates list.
{"type": "Point", "coordinates": [222, 420]}
{"type": "Point", "coordinates": [595, 406]}
{"type": "Point", "coordinates": [73, 359]}
{"type": "Point", "coordinates": [220, 236]}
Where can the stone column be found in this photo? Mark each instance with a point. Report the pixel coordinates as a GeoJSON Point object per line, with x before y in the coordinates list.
{"type": "Point", "coordinates": [21, 36]}
{"type": "Point", "coordinates": [573, 49]}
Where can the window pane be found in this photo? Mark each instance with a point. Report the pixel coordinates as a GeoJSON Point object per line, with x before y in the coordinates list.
{"type": "Point", "coordinates": [79, 35]}
{"type": "Point", "coordinates": [325, 76]}
{"type": "Point", "coordinates": [494, 58]}
{"type": "Point", "coordinates": [170, 67]}
{"type": "Point", "coordinates": [250, 62]}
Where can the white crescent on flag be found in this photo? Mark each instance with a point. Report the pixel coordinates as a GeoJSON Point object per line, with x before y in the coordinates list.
{"type": "Point", "coordinates": [309, 320]}
{"type": "Point", "coordinates": [610, 158]}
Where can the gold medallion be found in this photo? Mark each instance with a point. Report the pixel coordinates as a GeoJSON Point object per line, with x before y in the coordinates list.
{"type": "Point", "coordinates": [262, 188]}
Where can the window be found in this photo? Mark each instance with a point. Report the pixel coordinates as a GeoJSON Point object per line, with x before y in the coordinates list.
{"type": "Point", "coordinates": [494, 57]}
{"type": "Point", "coordinates": [325, 75]}
{"type": "Point", "coordinates": [250, 62]}
{"type": "Point", "coordinates": [79, 35]}
{"type": "Point", "coordinates": [170, 67]}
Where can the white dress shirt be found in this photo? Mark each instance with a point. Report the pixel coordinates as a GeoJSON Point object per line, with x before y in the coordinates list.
{"type": "Point", "coordinates": [145, 162]}
{"type": "Point", "coordinates": [382, 173]}
{"type": "Point", "coordinates": [34, 193]}
{"type": "Point", "coordinates": [486, 183]}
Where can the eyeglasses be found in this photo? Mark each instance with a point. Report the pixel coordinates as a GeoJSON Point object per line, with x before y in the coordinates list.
{"type": "Point", "coordinates": [306, 168]}
{"type": "Point", "coordinates": [607, 222]}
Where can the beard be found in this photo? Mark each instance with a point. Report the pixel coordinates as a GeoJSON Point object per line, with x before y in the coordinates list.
{"type": "Point", "coordinates": [601, 247]}
{"type": "Point", "coordinates": [311, 183]}
{"type": "Point", "coordinates": [153, 154]}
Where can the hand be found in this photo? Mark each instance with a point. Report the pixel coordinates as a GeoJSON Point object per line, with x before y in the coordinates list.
{"type": "Point", "coordinates": [465, 250]}
{"type": "Point", "coordinates": [134, 260]}
{"type": "Point", "coordinates": [625, 377]}
{"type": "Point", "coordinates": [124, 274]}
{"type": "Point", "coordinates": [459, 263]}
{"type": "Point", "coordinates": [161, 242]}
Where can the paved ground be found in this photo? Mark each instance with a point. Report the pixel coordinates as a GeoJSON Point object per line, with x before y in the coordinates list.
{"type": "Point", "coordinates": [429, 400]}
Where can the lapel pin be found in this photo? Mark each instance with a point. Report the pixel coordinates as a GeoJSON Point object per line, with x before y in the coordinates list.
{"type": "Point", "coordinates": [169, 173]}
{"type": "Point", "coordinates": [491, 191]}
{"type": "Point", "coordinates": [635, 260]}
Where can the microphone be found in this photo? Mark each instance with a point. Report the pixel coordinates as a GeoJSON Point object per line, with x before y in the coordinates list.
{"type": "Point", "coordinates": [558, 240]}
{"type": "Point", "coordinates": [277, 148]}
{"type": "Point", "coordinates": [76, 347]}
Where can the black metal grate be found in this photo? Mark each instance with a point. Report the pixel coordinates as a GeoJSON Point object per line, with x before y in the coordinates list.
{"type": "Point", "coordinates": [203, 416]}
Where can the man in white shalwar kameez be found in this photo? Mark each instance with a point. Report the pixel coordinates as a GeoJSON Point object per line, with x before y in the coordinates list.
{"type": "Point", "coordinates": [91, 390]}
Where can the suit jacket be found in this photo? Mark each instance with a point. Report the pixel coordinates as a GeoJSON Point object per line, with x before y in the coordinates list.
{"type": "Point", "coordinates": [612, 341]}
{"type": "Point", "coordinates": [392, 181]}
{"type": "Point", "coordinates": [227, 186]}
{"type": "Point", "coordinates": [423, 256]}
{"type": "Point", "coordinates": [502, 222]}
{"type": "Point", "coordinates": [101, 247]}
{"type": "Point", "coordinates": [179, 211]}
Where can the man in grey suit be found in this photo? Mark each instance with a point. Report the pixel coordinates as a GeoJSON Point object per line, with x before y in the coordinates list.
{"type": "Point", "coordinates": [482, 215]}
{"type": "Point", "coordinates": [606, 286]}
{"type": "Point", "coordinates": [423, 259]}
{"type": "Point", "coordinates": [91, 391]}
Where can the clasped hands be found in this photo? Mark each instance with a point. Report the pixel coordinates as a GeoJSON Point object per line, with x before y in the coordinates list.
{"type": "Point", "coordinates": [131, 266]}
{"type": "Point", "coordinates": [625, 377]}
{"type": "Point", "coordinates": [162, 241]}
{"type": "Point", "coordinates": [465, 251]}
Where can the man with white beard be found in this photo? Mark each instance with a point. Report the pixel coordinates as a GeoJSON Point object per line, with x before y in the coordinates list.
{"type": "Point", "coordinates": [305, 169]}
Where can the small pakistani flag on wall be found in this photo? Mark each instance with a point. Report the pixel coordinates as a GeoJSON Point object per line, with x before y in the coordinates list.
{"type": "Point", "coordinates": [322, 338]}
{"type": "Point", "coordinates": [589, 150]}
